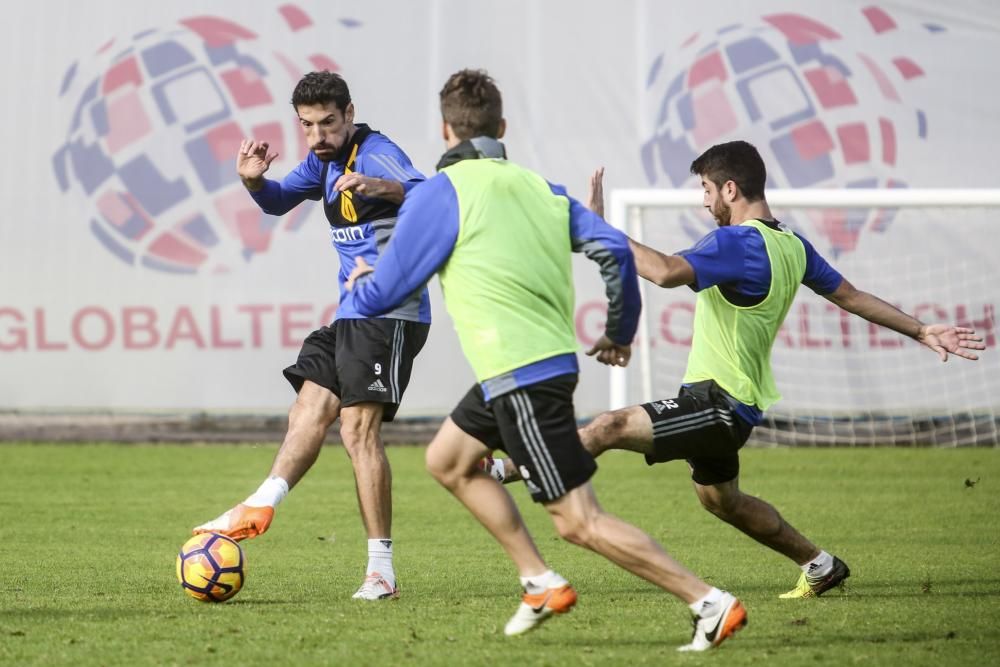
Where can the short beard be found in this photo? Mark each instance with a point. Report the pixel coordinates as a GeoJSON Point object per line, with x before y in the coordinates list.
{"type": "Point", "coordinates": [724, 216]}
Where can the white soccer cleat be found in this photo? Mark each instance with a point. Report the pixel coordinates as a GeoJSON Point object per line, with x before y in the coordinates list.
{"type": "Point", "coordinates": [710, 631]}
{"type": "Point", "coordinates": [535, 609]}
{"type": "Point", "coordinates": [376, 587]}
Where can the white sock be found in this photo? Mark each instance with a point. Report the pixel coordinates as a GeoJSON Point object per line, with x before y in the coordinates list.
{"type": "Point", "coordinates": [380, 558]}
{"type": "Point", "coordinates": [496, 470]}
{"type": "Point", "coordinates": [819, 566]}
{"type": "Point", "coordinates": [706, 606]}
{"type": "Point", "coordinates": [269, 494]}
{"type": "Point", "coordinates": [541, 582]}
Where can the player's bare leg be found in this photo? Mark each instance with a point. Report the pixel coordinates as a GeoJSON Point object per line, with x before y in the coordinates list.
{"type": "Point", "coordinates": [452, 459]}
{"type": "Point", "coordinates": [314, 410]}
{"type": "Point", "coordinates": [310, 417]}
{"type": "Point", "coordinates": [360, 430]}
{"type": "Point", "coordinates": [580, 519]}
{"type": "Point", "coordinates": [761, 521]}
{"type": "Point", "coordinates": [629, 429]}
{"type": "Point", "coordinates": [756, 518]}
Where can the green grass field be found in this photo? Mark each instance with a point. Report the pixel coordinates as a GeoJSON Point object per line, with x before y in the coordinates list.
{"type": "Point", "coordinates": [88, 536]}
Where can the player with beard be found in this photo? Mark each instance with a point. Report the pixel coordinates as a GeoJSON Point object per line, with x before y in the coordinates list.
{"type": "Point", "coordinates": [746, 274]}
{"type": "Point", "coordinates": [358, 367]}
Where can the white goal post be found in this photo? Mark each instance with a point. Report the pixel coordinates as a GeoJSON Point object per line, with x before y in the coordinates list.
{"type": "Point", "coordinates": [936, 251]}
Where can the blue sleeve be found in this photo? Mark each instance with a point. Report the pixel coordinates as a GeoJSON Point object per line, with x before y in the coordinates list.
{"type": "Point", "coordinates": [423, 239]}
{"type": "Point", "coordinates": [820, 277]}
{"type": "Point", "coordinates": [388, 162]}
{"type": "Point", "coordinates": [718, 258]}
{"type": "Point", "coordinates": [607, 246]}
{"type": "Point", "coordinates": [303, 182]}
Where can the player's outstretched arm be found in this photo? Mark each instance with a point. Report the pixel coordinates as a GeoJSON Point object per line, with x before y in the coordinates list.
{"type": "Point", "coordinates": [946, 339]}
{"type": "Point", "coordinates": [660, 269]}
{"type": "Point", "coordinates": [943, 339]}
{"type": "Point", "coordinates": [252, 161]}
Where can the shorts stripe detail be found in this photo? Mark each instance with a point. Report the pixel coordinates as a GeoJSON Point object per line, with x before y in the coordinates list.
{"type": "Point", "coordinates": [694, 427]}
{"type": "Point", "coordinates": [706, 416]}
{"type": "Point", "coordinates": [397, 353]}
{"type": "Point", "coordinates": [534, 445]}
{"type": "Point", "coordinates": [670, 421]}
{"type": "Point", "coordinates": [540, 456]}
{"type": "Point", "coordinates": [691, 422]}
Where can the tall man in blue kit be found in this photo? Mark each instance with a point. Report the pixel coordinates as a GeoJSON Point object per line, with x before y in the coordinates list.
{"type": "Point", "coordinates": [358, 367]}
{"type": "Point", "coordinates": [500, 238]}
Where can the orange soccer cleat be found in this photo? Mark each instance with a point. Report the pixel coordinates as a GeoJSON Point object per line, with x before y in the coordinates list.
{"type": "Point", "coordinates": [537, 608]}
{"type": "Point", "coordinates": [240, 523]}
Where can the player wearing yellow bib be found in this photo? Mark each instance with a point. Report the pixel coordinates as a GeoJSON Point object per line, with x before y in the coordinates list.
{"type": "Point", "coordinates": [501, 238]}
{"type": "Point", "coordinates": [746, 274]}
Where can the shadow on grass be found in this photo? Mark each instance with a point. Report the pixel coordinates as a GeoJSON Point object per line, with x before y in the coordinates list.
{"type": "Point", "coordinates": [41, 614]}
{"type": "Point", "coordinates": [255, 602]}
{"type": "Point", "coordinates": [765, 640]}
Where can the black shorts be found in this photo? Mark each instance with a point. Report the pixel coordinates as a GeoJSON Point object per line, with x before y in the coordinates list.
{"type": "Point", "coordinates": [536, 426]}
{"type": "Point", "coordinates": [361, 361]}
{"type": "Point", "coordinates": [701, 427]}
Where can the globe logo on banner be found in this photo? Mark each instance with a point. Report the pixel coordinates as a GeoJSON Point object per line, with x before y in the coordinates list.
{"type": "Point", "coordinates": [156, 123]}
{"type": "Point", "coordinates": [821, 109]}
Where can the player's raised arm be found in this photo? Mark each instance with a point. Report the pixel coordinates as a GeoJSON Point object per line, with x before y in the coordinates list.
{"type": "Point", "coordinates": [252, 161]}
{"type": "Point", "coordinates": [943, 339]}
{"type": "Point", "coordinates": [595, 192]}
{"type": "Point", "coordinates": [654, 266]}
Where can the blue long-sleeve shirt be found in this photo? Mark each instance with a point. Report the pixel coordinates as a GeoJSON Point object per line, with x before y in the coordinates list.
{"type": "Point", "coordinates": [379, 157]}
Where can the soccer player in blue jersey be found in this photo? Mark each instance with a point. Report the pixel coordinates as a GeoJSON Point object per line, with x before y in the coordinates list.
{"type": "Point", "coordinates": [358, 367]}
{"type": "Point", "coordinates": [746, 274]}
{"type": "Point", "coordinates": [500, 238]}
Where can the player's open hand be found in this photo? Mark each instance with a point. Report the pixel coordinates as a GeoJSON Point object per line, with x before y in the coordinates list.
{"type": "Point", "coordinates": [252, 161]}
{"type": "Point", "coordinates": [361, 267]}
{"type": "Point", "coordinates": [946, 339]}
{"type": "Point", "coordinates": [610, 353]}
{"type": "Point", "coordinates": [595, 192]}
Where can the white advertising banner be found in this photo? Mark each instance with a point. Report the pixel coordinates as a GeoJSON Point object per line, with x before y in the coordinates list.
{"type": "Point", "coordinates": [137, 274]}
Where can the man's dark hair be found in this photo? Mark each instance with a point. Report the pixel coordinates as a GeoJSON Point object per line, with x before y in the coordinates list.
{"type": "Point", "coordinates": [736, 161]}
{"type": "Point", "coordinates": [321, 88]}
{"type": "Point", "coordinates": [471, 104]}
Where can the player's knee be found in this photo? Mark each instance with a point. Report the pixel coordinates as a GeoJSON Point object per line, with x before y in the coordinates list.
{"type": "Point", "coordinates": [574, 528]}
{"type": "Point", "coordinates": [314, 405]}
{"type": "Point", "coordinates": [441, 468]}
{"type": "Point", "coordinates": [722, 505]}
{"type": "Point", "coordinates": [358, 437]}
{"type": "Point", "coordinates": [604, 430]}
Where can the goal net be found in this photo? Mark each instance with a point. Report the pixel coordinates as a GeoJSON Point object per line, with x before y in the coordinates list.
{"type": "Point", "coordinates": [933, 253]}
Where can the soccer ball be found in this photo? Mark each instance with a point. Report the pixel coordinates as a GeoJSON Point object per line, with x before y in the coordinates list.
{"type": "Point", "coordinates": [210, 567]}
